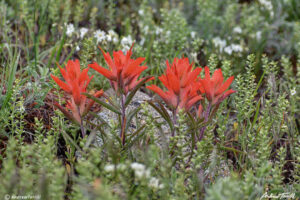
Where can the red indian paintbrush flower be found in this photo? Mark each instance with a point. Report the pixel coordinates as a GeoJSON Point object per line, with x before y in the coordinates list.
{"type": "Point", "coordinates": [76, 83]}
{"type": "Point", "coordinates": [181, 83]}
{"type": "Point", "coordinates": [214, 88]}
{"type": "Point", "coordinates": [123, 71]}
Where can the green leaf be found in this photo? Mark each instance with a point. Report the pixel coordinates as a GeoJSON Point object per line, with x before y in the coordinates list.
{"type": "Point", "coordinates": [138, 86]}
{"type": "Point", "coordinates": [162, 111]}
{"type": "Point", "coordinates": [130, 117]}
{"type": "Point", "coordinates": [97, 100]}
{"type": "Point", "coordinates": [131, 141]}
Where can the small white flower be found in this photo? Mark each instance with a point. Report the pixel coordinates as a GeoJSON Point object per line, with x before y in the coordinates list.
{"type": "Point", "coordinates": [293, 91]}
{"type": "Point", "coordinates": [142, 41]}
{"type": "Point", "coordinates": [139, 174]}
{"type": "Point", "coordinates": [141, 12]}
{"type": "Point", "coordinates": [236, 48]}
{"type": "Point", "coordinates": [154, 182]}
{"type": "Point", "coordinates": [146, 29]}
{"type": "Point", "coordinates": [109, 168]}
{"type": "Point", "coordinates": [237, 29]}
{"type": "Point", "coordinates": [83, 31]}
{"type": "Point", "coordinates": [147, 173]}
{"type": "Point", "coordinates": [193, 34]}
{"type": "Point", "coordinates": [158, 30]}
{"type": "Point", "coordinates": [267, 4]}
{"type": "Point", "coordinates": [77, 48]}
{"type": "Point", "coordinates": [168, 33]}
{"type": "Point", "coordinates": [126, 43]}
{"type": "Point", "coordinates": [233, 48]}
{"type": "Point", "coordinates": [194, 56]}
{"type": "Point", "coordinates": [258, 35]}
{"type": "Point", "coordinates": [140, 170]}
{"type": "Point", "coordinates": [70, 30]}
{"type": "Point", "coordinates": [115, 40]}
{"type": "Point", "coordinates": [137, 166]}
{"type": "Point", "coordinates": [112, 36]}
{"type": "Point", "coordinates": [99, 35]}
{"type": "Point", "coordinates": [22, 108]}
{"type": "Point", "coordinates": [218, 42]}
{"type": "Point", "coordinates": [228, 50]}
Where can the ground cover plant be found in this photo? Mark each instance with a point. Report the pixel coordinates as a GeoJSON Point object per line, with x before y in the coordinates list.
{"type": "Point", "coordinates": [149, 99]}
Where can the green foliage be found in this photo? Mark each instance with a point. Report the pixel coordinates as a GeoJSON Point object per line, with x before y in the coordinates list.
{"type": "Point", "coordinates": [250, 147]}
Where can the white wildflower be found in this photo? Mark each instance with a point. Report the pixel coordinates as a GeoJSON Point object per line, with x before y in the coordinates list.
{"type": "Point", "coordinates": [233, 48]}
{"type": "Point", "coordinates": [237, 30]}
{"type": "Point", "coordinates": [218, 42]}
{"type": "Point", "coordinates": [194, 56]}
{"type": "Point", "coordinates": [99, 35]}
{"type": "Point", "coordinates": [140, 170]}
{"type": "Point", "coordinates": [126, 43]}
{"type": "Point", "coordinates": [293, 91]}
{"type": "Point", "coordinates": [83, 31]}
{"type": "Point", "coordinates": [109, 168]}
{"type": "Point", "coordinates": [158, 30]}
{"type": "Point", "coordinates": [77, 48]}
{"type": "Point", "coordinates": [154, 182]}
{"type": "Point", "coordinates": [142, 41]}
{"type": "Point", "coordinates": [258, 35]}
{"type": "Point", "coordinates": [22, 108]}
{"type": "Point", "coordinates": [268, 5]}
{"type": "Point", "coordinates": [137, 166]}
{"type": "Point", "coordinates": [141, 12]}
{"type": "Point", "coordinates": [112, 36]}
{"type": "Point", "coordinates": [168, 33]}
{"type": "Point", "coordinates": [237, 48]}
{"type": "Point", "coordinates": [70, 30]}
{"type": "Point", "coordinates": [193, 34]}
{"type": "Point", "coordinates": [228, 50]}
{"type": "Point", "coordinates": [147, 173]}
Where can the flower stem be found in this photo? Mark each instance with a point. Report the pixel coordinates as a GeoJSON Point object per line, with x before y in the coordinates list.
{"type": "Point", "coordinates": [123, 119]}
{"type": "Point", "coordinates": [81, 123]}
{"type": "Point", "coordinates": [174, 121]}
{"type": "Point", "coordinates": [206, 115]}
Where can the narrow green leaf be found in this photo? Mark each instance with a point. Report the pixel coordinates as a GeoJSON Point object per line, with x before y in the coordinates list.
{"type": "Point", "coordinates": [130, 117]}
{"type": "Point", "coordinates": [133, 92]}
{"type": "Point", "coordinates": [256, 113]}
{"type": "Point", "coordinates": [97, 100]}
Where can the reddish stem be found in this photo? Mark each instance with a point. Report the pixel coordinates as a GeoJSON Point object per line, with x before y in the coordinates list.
{"type": "Point", "coordinates": [206, 115]}
{"type": "Point", "coordinates": [81, 123]}
{"type": "Point", "coordinates": [123, 119]}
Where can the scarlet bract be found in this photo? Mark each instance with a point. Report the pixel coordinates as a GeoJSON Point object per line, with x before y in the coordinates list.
{"type": "Point", "coordinates": [123, 71]}
{"type": "Point", "coordinates": [181, 82]}
{"type": "Point", "coordinates": [76, 83]}
{"type": "Point", "coordinates": [214, 88]}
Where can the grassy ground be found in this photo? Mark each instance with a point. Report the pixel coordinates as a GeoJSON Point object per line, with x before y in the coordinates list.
{"type": "Point", "coordinates": [250, 147]}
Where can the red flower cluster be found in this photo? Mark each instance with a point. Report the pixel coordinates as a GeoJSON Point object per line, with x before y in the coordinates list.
{"type": "Point", "coordinates": [76, 83]}
{"type": "Point", "coordinates": [214, 88]}
{"type": "Point", "coordinates": [181, 83]}
{"type": "Point", "coordinates": [123, 71]}
{"type": "Point", "coordinates": [184, 88]}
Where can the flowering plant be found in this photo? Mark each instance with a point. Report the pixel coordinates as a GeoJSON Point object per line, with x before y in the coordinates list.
{"type": "Point", "coordinates": [123, 74]}
{"type": "Point", "coordinates": [185, 90]}
{"type": "Point", "coordinates": [76, 84]}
